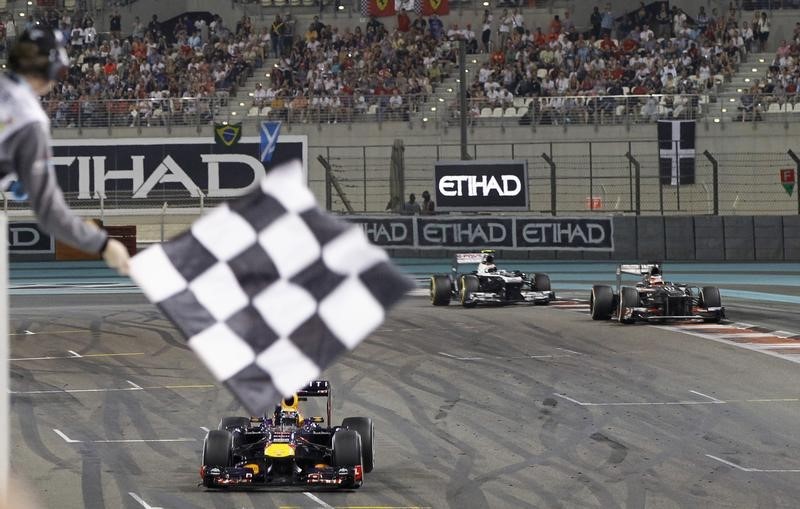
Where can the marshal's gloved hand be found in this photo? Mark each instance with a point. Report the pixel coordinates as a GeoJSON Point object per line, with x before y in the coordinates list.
{"type": "Point", "coordinates": [116, 256]}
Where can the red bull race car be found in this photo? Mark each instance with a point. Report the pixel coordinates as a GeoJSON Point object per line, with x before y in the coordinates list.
{"type": "Point", "coordinates": [289, 449]}
{"type": "Point", "coordinates": [653, 299]}
{"type": "Point", "coordinates": [488, 284]}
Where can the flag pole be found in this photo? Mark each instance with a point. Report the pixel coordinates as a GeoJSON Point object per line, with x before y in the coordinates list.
{"type": "Point", "coordinates": [5, 432]}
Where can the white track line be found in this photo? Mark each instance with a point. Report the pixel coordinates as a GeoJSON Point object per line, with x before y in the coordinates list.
{"type": "Point", "coordinates": [759, 470]}
{"type": "Point", "coordinates": [84, 356]}
{"type": "Point", "coordinates": [65, 437]}
{"type": "Point", "coordinates": [564, 396]}
{"type": "Point", "coordinates": [74, 353]}
{"type": "Point", "coordinates": [117, 389]}
{"type": "Point", "coordinates": [712, 398]}
{"type": "Point", "coordinates": [137, 387]}
{"type": "Point", "coordinates": [204, 428]}
{"type": "Point", "coordinates": [141, 501]}
{"type": "Point", "coordinates": [318, 500]}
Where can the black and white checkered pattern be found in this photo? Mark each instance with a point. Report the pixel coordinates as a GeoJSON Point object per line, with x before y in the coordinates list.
{"type": "Point", "coordinates": [269, 289]}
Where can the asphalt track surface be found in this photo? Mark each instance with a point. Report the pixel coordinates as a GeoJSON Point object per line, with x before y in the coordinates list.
{"type": "Point", "coordinates": [474, 408]}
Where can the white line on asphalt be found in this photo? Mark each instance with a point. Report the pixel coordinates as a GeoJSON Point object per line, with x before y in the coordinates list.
{"type": "Point", "coordinates": [85, 356]}
{"type": "Point", "coordinates": [712, 398]}
{"type": "Point", "coordinates": [31, 333]}
{"type": "Point", "coordinates": [563, 396]}
{"type": "Point", "coordinates": [746, 346]}
{"type": "Point", "coordinates": [65, 437]}
{"type": "Point", "coordinates": [318, 500]}
{"type": "Point", "coordinates": [71, 391]}
{"type": "Point", "coordinates": [759, 470]}
{"type": "Point", "coordinates": [74, 353]}
{"type": "Point", "coordinates": [568, 350]}
{"type": "Point", "coordinates": [141, 501]}
{"type": "Point", "coordinates": [137, 387]}
{"type": "Point", "coordinates": [784, 333]}
{"type": "Point", "coordinates": [461, 358]}
{"type": "Point", "coordinates": [729, 463]}
{"type": "Point", "coordinates": [745, 335]}
{"type": "Point", "coordinates": [204, 428]}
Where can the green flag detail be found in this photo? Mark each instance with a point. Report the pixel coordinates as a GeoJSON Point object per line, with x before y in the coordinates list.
{"type": "Point", "coordinates": [227, 134]}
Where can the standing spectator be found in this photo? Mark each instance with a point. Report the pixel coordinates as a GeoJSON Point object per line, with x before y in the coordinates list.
{"type": "Point", "coordinates": [419, 25]}
{"type": "Point", "coordinates": [763, 31]}
{"type": "Point", "coordinates": [137, 30]}
{"type": "Point", "coordinates": [663, 23]}
{"type": "Point", "coordinates": [678, 21]}
{"type": "Point", "coordinates": [486, 34]}
{"type": "Point", "coordinates": [403, 21]}
{"type": "Point", "coordinates": [518, 22]}
{"type": "Point", "coordinates": [276, 34]}
{"type": "Point", "coordinates": [436, 26]}
{"type": "Point", "coordinates": [89, 35]}
{"type": "Point", "coordinates": [505, 28]}
{"type": "Point", "coordinates": [607, 23]}
{"type": "Point", "coordinates": [76, 37]}
{"type": "Point", "coordinates": [428, 206]}
{"type": "Point", "coordinates": [115, 24]}
{"type": "Point", "coordinates": [11, 32]}
{"type": "Point", "coordinates": [702, 20]}
{"type": "Point", "coordinates": [596, 20]}
{"type": "Point", "coordinates": [411, 207]}
{"type": "Point", "coordinates": [567, 24]}
{"type": "Point", "coordinates": [469, 36]}
{"type": "Point", "coordinates": [154, 27]}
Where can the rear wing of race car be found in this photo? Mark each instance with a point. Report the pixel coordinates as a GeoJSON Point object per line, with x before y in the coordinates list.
{"type": "Point", "coordinates": [469, 258]}
{"type": "Point", "coordinates": [636, 269]}
{"type": "Point", "coordinates": [317, 389]}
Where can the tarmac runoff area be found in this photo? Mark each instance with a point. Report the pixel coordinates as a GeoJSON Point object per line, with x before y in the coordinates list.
{"type": "Point", "coordinates": [489, 407]}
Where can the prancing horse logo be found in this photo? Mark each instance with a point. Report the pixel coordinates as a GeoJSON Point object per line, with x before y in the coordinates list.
{"type": "Point", "coordinates": [435, 4]}
{"type": "Point", "coordinates": [381, 4]}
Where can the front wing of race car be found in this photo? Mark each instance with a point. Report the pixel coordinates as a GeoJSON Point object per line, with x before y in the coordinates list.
{"type": "Point", "coordinates": [645, 314]}
{"type": "Point", "coordinates": [525, 296]}
{"type": "Point", "coordinates": [252, 476]}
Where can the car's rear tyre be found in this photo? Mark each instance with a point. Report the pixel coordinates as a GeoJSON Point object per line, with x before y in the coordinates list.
{"type": "Point", "coordinates": [541, 282]}
{"type": "Point", "coordinates": [441, 290]}
{"type": "Point", "coordinates": [469, 285]}
{"type": "Point", "coordinates": [628, 298]}
{"type": "Point", "coordinates": [229, 423]}
{"type": "Point", "coordinates": [710, 298]}
{"type": "Point", "coordinates": [366, 430]}
{"type": "Point", "coordinates": [601, 302]}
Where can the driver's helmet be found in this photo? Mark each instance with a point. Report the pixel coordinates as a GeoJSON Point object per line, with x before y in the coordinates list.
{"type": "Point", "coordinates": [288, 418]}
{"type": "Point", "coordinates": [488, 258]}
{"type": "Point", "coordinates": [655, 280]}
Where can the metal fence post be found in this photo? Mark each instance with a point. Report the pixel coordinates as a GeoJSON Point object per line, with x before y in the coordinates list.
{"type": "Point", "coordinates": [163, 217]}
{"type": "Point", "coordinates": [797, 171]}
{"type": "Point", "coordinates": [637, 205]}
{"type": "Point", "coordinates": [328, 183]}
{"type": "Point", "coordinates": [552, 164]}
{"type": "Point", "coordinates": [714, 180]}
{"type": "Point", "coordinates": [591, 177]}
{"type": "Point", "coordinates": [364, 159]}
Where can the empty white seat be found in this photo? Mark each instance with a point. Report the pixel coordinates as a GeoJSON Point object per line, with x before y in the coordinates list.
{"type": "Point", "coordinates": [774, 108]}
{"type": "Point", "coordinates": [519, 102]}
{"type": "Point", "coordinates": [486, 112]}
{"type": "Point", "coordinates": [522, 111]}
{"type": "Point", "coordinates": [510, 112]}
{"type": "Point", "coordinates": [497, 112]}
{"type": "Point", "coordinates": [626, 90]}
{"type": "Point", "coordinates": [372, 110]}
{"type": "Point", "coordinates": [265, 111]}
{"type": "Point", "coordinates": [253, 112]}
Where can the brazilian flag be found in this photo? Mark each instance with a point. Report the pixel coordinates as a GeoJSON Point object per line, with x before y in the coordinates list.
{"type": "Point", "coordinates": [227, 134]}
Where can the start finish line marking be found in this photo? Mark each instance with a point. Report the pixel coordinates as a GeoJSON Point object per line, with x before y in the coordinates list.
{"type": "Point", "coordinates": [120, 441]}
{"type": "Point", "coordinates": [709, 401]}
{"type": "Point", "coordinates": [74, 355]}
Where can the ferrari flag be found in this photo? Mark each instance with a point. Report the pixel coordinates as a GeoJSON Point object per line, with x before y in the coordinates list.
{"type": "Point", "coordinates": [429, 7]}
{"type": "Point", "coordinates": [377, 8]}
{"type": "Point", "coordinates": [269, 288]}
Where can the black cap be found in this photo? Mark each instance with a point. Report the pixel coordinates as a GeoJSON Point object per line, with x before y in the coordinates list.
{"type": "Point", "coordinates": [49, 57]}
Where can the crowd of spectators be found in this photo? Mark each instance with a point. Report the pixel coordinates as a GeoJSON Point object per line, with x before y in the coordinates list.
{"type": "Point", "coordinates": [159, 74]}
{"type": "Point", "coordinates": [579, 76]}
{"type": "Point", "coordinates": [328, 75]}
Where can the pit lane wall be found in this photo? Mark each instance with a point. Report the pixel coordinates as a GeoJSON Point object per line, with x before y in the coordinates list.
{"type": "Point", "coordinates": [677, 238]}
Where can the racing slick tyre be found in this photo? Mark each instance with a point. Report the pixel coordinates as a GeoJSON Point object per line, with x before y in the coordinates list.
{"type": "Point", "coordinates": [228, 423]}
{"type": "Point", "coordinates": [628, 298]}
{"type": "Point", "coordinates": [217, 452]}
{"type": "Point", "coordinates": [441, 290]}
{"type": "Point", "coordinates": [709, 297]}
{"type": "Point", "coordinates": [346, 449]}
{"type": "Point", "coordinates": [366, 430]}
{"type": "Point", "coordinates": [601, 302]}
{"type": "Point", "coordinates": [541, 282]}
{"type": "Point", "coordinates": [469, 285]}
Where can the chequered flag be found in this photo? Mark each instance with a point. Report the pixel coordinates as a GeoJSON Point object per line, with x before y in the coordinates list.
{"type": "Point", "coordinates": [269, 288]}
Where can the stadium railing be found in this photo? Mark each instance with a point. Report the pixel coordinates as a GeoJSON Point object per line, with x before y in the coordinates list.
{"type": "Point", "coordinates": [442, 112]}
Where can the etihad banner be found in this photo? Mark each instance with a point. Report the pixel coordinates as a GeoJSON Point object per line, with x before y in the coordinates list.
{"type": "Point", "coordinates": [481, 185]}
{"type": "Point", "coordinates": [500, 232]}
{"type": "Point", "coordinates": [155, 168]}
{"type": "Point", "coordinates": [429, 7]}
{"type": "Point", "coordinates": [377, 8]}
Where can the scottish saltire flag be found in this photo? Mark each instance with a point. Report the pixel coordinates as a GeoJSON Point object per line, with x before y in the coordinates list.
{"type": "Point", "coordinates": [270, 131]}
{"type": "Point", "coordinates": [676, 152]}
{"type": "Point", "coordinates": [269, 289]}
